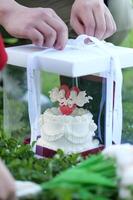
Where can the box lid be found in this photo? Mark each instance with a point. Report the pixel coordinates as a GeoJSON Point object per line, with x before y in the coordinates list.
{"type": "Point", "coordinates": [70, 61]}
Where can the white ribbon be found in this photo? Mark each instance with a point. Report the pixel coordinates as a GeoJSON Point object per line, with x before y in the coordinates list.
{"type": "Point", "coordinates": [34, 104]}
{"type": "Point", "coordinates": [33, 76]}
{"type": "Point", "coordinates": [114, 95]}
{"type": "Point", "coordinates": [113, 114]}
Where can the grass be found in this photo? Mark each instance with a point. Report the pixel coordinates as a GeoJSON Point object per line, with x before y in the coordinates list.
{"type": "Point", "coordinates": [128, 42]}
{"type": "Point", "coordinates": [128, 96]}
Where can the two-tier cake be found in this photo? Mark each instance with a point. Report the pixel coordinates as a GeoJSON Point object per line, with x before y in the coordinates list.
{"type": "Point", "coordinates": [68, 127]}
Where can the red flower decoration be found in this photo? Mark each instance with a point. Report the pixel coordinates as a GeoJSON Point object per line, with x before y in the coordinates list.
{"type": "Point", "coordinates": [3, 55]}
{"type": "Point", "coordinates": [65, 109]}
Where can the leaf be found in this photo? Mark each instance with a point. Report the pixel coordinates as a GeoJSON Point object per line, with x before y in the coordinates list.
{"type": "Point", "coordinates": [33, 144]}
{"type": "Point", "coordinates": [91, 161]}
{"type": "Point", "coordinates": [61, 174]}
{"type": "Point", "coordinates": [78, 176]}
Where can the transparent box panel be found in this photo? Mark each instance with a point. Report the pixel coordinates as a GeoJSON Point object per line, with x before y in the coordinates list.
{"type": "Point", "coordinates": [71, 125]}
{"type": "Point", "coordinates": [16, 121]}
{"type": "Point", "coordinates": [15, 98]}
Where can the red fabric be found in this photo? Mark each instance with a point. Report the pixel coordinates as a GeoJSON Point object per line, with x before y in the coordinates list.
{"type": "Point", "coordinates": [3, 55]}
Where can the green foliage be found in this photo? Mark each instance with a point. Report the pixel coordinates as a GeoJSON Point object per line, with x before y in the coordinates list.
{"type": "Point", "coordinates": [62, 177]}
{"type": "Point", "coordinates": [23, 164]}
{"type": "Point", "coordinates": [94, 178]}
{"type": "Point", "coordinates": [49, 81]}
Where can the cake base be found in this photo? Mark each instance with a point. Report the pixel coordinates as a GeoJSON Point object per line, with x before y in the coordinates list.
{"type": "Point", "coordinates": [49, 153]}
{"type": "Point", "coordinates": [45, 152]}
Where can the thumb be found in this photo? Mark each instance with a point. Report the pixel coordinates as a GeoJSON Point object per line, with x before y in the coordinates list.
{"type": "Point", "coordinates": [36, 37]}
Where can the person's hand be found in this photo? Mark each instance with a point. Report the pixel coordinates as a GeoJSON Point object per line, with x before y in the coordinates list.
{"type": "Point", "coordinates": [41, 25]}
{"type": "Point", "coordinates": [93, 18]}
{"type": "Point", "coordinates": [7, 184]}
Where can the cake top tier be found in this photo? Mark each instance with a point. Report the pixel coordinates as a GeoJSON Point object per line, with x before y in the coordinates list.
{"type": "Point", "coordinates": [69, 98]}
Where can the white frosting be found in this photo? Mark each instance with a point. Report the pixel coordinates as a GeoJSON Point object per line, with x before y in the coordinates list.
{"type": "Point", "coordinates": [78, 99]}
{"type": "Point", "coordinates": [71, 133]}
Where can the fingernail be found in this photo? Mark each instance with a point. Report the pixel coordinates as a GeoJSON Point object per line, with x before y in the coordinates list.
{"type": "Point", "coordinates": [38, 45]}
{"type": "Point", "coordinates": [59, 47]}
{"type": "Point", "coordinates": [87, 41]}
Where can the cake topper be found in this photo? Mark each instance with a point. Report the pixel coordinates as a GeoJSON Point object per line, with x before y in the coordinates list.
{"type": "Point", "coordinates": [69, 99]}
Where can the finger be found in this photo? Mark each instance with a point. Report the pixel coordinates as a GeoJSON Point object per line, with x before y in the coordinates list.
{"type": "Point", "coordinates": [62, 37]}
{"type": "Point", "coordinates": [110, 25]}
{"type": "Point", "coordinates": [61, 30]}
{"type": "Point", "coordinates": [35, 36]}
{"type": "Point", "coordinates": [100, 27]}
{"type": "Point", "coordinates": [7, 183]}
{"type": "Point", "coordinates": [89, 23]}
{"type": "Point", "coordinates": [49, 34]}
{"type": "Point", "coordinates": [77, 25]}
{"type": "Point", "coordinates": [113, 22]}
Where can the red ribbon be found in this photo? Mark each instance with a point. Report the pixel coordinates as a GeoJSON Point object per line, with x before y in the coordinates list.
{"type": "Point", "coordinates": [3, 55]}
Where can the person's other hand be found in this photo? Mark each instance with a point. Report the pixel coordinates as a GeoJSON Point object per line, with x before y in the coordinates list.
{"type": "Point", "coordinates": [41, 25]}
{"type": "Point", "coordinates": [7, 184]}
{"type": "Point", "coordinates": [93, 18]}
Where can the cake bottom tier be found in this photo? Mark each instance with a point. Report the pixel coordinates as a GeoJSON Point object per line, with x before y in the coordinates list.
{"type": "Point", "coordinates": [68, 147]}
{"type": "Point", "coordinates": [43, 151]}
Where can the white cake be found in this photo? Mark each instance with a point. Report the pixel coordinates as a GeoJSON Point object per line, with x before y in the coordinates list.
{"type": "Point", "coordinates": [73, 133]}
